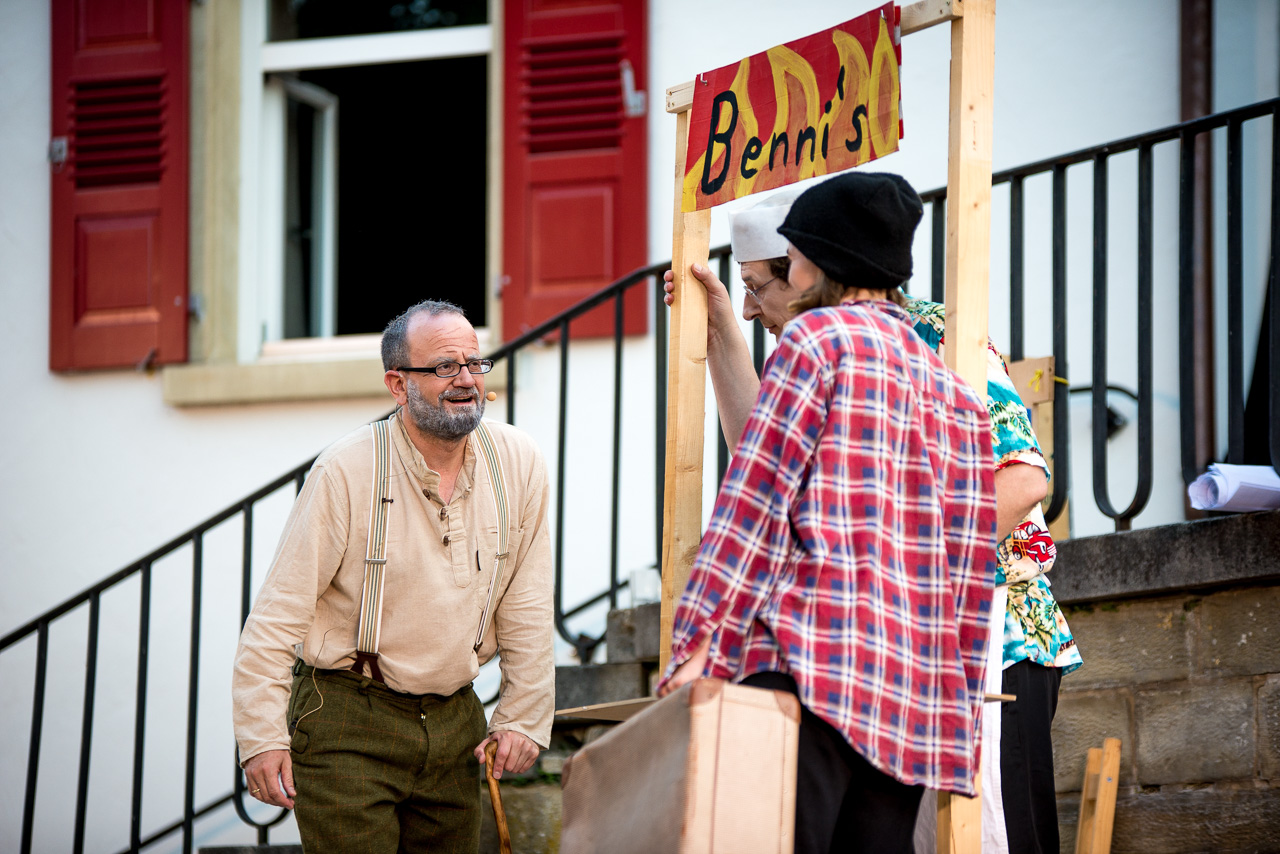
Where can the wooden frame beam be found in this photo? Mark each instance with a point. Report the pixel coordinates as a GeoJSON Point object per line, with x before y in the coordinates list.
{"type": "Point", "coordinates": [927, 13]}
{"type": "Point", "coordinates": [686, 392]}
{"type": "Point", "coordinates": [968, 263]}
{"type": "Point", "coordinates": [968, 260]}
{"type": "Point", "coordinates": [679, 100]}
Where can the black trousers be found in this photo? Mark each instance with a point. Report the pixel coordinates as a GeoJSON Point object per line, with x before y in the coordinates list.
{"type": "Point", "coordinates": [843, 803]}
{"type": "Point", "coordinates": [1026, 758]}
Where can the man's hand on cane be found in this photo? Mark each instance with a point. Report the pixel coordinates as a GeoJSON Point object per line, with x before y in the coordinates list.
{"type": "Point", "coordinates": [516, 753]}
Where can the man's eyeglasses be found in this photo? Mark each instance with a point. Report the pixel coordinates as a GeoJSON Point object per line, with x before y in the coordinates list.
{"type": "Point", "coordinates": [444, 370]}
{"type": "Point", "coordinates": [754, 293]}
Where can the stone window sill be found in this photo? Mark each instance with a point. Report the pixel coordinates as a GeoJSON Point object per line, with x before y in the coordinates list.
{"type": "Point", "coordinates": [312, 369]}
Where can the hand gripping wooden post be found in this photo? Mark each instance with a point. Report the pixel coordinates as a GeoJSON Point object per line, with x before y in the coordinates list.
{"type": "Point", "coordinates": [686, 387]}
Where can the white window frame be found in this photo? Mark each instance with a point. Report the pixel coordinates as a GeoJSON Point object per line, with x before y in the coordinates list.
{"type": "Point", "coordinates": [324, 178]}
{"type": "Point", "coordinates": [262, 118]}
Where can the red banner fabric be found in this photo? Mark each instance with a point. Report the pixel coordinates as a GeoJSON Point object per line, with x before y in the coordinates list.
{"type": "Point", "coordinates": [814, 106]}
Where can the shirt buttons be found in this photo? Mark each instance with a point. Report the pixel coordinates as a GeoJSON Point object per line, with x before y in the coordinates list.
{"type": "Point", "coordinates": [444, 512]}
{"type": "Point", "coordinates": [445, 541]}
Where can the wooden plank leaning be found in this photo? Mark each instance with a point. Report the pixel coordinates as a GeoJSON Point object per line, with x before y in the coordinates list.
{"type": "Point", "coordinates": [1037, 383]}
{"type": "Point", "coordinates": [1098, 798]}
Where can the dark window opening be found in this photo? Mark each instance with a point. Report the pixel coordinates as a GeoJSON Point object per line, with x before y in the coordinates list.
{"type": "Point", "coordinates": [411, 195]}
{"type": "Point", "coordinates": [309, 19]}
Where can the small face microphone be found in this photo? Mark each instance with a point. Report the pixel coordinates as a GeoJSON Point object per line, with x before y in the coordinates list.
{"type": "Point", "coordinates": [491, 396]}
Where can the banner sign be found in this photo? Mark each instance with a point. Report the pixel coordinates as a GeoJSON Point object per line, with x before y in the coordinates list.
{"type": "Point", "coordinates": [814, 106]}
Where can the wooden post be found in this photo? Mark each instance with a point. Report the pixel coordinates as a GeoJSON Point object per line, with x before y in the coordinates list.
{"type": "Point", "coordinates": [967, 271]}
{"type": "Point", "coordinates": [1108, 787]}
{"type": "Point", "coordinates": [1033, 379]}
{"type": "Point", "coordinates": [968, 258]}
{"type": "Point", "coordinates": [1088, 800]}
{"type": "Point", "coordinates": [686, 388]}
{"type": "Point", "coordinates": [959, 824]}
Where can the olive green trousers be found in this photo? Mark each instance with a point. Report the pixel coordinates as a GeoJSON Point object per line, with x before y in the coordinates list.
{"type": "Point", "coordinates": [382, 772]}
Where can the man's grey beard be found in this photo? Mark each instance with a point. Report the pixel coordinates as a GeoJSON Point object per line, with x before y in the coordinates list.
{"type": "Point", "coordinates": [436, 420]}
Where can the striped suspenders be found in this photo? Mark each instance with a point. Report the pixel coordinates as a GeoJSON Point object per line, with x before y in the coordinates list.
{"type": "Point", "coordinates": [489, 453]}
{"type": "Point", "coordinates": [376, 551]}
{"type": "Point", "coordinates": [375, 559]}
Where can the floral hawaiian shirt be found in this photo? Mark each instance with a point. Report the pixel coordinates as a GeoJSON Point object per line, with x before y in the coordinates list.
{"type": "Point", "coordinates": [1034, 626]}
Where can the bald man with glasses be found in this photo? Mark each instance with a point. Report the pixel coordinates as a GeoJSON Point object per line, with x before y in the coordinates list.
{"type": "Point", "coordinates": [352, 691]}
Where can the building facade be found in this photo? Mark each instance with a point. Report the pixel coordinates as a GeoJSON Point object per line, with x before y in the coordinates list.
{"type": "Point", "coordinates": [193, 319]}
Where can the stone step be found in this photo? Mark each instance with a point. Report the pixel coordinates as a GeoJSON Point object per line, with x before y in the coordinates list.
{"type": "Point", "coordinates": [633, 634]}
{"type": "Point", "coordinates": [588, 684]}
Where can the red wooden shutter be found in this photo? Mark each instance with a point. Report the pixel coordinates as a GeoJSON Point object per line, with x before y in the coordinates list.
{"type": "Point", "coordinates": [119, 199]}
{"type": "Point", "coordinates": [575, 195]}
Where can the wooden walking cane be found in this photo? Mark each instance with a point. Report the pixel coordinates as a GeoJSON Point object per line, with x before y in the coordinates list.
{"type": "Point", "coordinates": [499, 814]}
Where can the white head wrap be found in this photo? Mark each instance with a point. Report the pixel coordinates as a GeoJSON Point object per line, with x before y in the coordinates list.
{"type": "Point", "coordinates": [753, 233]}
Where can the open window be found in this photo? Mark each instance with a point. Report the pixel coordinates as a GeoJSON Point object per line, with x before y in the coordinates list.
{"type": "Point", "coordinates": [359, 173]}
{"type": "Point", "coordinates": [373, 171]}
{"type": "Point", "coordinates": [301, 121]}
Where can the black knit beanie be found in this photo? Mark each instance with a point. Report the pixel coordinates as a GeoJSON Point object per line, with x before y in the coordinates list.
{"type": "Point", "coordinates": [857, 228]}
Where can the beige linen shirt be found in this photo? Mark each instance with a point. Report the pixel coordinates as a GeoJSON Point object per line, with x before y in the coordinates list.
{"type": "Point", "coordinates": [440, 559]}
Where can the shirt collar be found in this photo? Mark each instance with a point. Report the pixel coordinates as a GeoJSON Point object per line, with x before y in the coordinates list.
{"type": "Point", "coordinates": [417, 465]}
{"type": "Point", "coordinates": [889, 307]}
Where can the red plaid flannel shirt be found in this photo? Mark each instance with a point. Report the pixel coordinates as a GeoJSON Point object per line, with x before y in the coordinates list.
{"type": "Point", "coordinates": [853, 541]}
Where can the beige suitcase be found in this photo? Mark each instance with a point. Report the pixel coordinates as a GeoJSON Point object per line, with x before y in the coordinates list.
{"type": "Point", "coordinates": [710, 769]}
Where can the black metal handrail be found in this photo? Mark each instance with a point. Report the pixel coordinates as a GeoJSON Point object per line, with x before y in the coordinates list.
{"type": "Point", "coordinates": [1184, 134]}
{"type": "Point", "coordinates": [92, 596]}
{"type": "Point", "coordinates": [560, 327]}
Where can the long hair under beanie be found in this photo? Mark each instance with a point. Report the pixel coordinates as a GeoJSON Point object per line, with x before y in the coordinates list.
{"type": "Point", "coordinates": [857, 228]}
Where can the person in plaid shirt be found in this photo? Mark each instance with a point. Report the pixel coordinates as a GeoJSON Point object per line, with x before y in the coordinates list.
{"type": "Point", "coordinates": [1019, 807]}
{"type": "Point", "coordinates": [851, 552]}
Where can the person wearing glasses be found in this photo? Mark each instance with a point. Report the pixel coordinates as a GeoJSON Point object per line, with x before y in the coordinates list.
{"type": "Point", "coordinates": [376, 748]}
{"type": "Point", "coordinates": [761, 254]}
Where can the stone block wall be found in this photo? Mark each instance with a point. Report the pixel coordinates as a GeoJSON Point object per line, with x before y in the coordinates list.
{"type": "Point", "coordinates": [1183, 666]}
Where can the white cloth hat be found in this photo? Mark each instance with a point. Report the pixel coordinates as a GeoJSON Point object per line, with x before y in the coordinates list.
{"type": "Point", "coordinates": [753, 233]}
